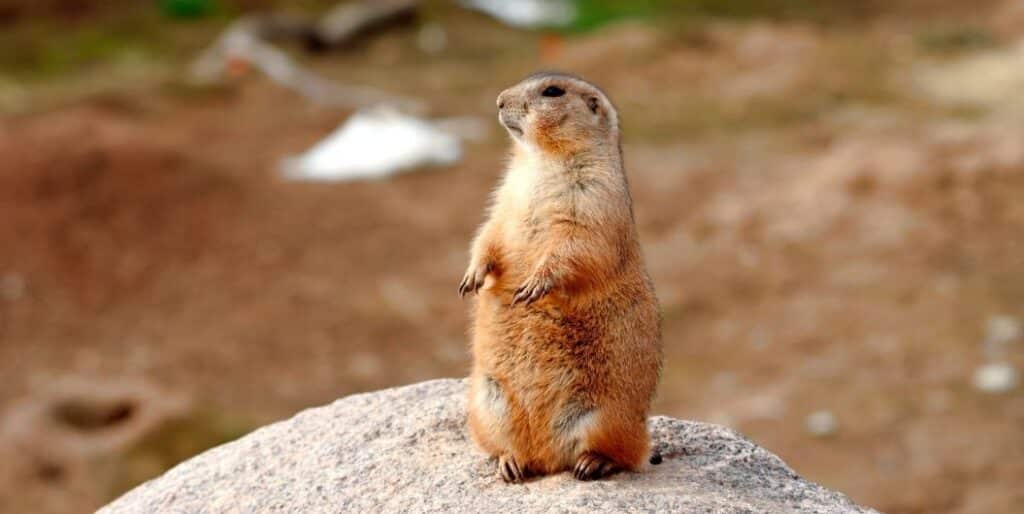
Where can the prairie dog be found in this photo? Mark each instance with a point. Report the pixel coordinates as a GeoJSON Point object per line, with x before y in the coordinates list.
{"type": "Point", "coordinates": [566, 334]}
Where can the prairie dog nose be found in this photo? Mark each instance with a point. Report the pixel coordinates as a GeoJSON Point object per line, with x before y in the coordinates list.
{"type": "Point", "coordinates": [511, 100]}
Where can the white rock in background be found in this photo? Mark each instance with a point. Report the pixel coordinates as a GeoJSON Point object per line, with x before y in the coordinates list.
{"type": "Point", "coordinates": [372, 144]}
{"type": "Point", "coordinates": [527, 13]}
{"type": "Point", "coordinates": [996, 377]}
{"type": "Point", "coordinates": [821, 423]}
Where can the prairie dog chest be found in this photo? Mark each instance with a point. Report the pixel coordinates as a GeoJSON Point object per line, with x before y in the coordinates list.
{"type": "Point", "coordinates": [522, 181]}
{"type": "Point", "coordinates": [529, 198]}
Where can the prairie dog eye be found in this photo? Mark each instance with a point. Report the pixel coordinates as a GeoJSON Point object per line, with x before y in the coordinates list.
{"type": "Point", "coordinates": [553, 91]}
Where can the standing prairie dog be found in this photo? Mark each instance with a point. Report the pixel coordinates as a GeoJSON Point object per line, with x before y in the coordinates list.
{"type": "Point", "coordinates": [566, 330]}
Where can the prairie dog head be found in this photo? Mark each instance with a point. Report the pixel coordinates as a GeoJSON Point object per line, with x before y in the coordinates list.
{"type": "Point", "coordinates": [557, 113]}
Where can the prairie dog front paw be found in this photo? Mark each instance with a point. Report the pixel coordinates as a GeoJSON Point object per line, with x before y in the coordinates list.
{"type": "Point", "coordinates": [474, 278]}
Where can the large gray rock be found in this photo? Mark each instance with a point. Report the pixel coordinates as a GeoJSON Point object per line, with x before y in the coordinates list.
{"type": "Point", "coordinates": [406, 450]}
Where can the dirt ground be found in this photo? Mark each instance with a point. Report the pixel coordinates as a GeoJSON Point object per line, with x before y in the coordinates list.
{"type": "Point", "coordinates": [830, 237]}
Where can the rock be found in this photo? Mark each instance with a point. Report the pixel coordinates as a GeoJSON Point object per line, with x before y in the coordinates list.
{"type": "Point", "coordinates": [372, 144]}
{"type": "Point", "coordinates": [821, 423]}
{"type": "Point", "coordinates": [995, 378]}
{"type": "Point", "coordinates": [528, 14]}
{"type": "Point", "coordinates": [406, 450]}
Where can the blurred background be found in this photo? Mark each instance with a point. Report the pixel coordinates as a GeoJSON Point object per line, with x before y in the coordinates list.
{"type": "Point", "coordinates": [215, 213]}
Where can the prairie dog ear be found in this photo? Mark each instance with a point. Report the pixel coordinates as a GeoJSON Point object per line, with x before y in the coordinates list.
{"type": "Point", "coordinates": [593, 103]}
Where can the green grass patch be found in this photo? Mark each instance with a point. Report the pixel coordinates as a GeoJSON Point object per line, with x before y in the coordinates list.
{"type": "Point", "coordinates": [591, 14]}
{"type": "Point", "coordinates": [43, 49]}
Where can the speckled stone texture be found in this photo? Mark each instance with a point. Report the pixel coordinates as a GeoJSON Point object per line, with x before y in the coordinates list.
{"type": "Point", "coordinates": [406, 450]}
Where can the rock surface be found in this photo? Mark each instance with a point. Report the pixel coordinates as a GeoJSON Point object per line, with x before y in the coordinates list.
{"type": "Point", "coordinates": [406, 450]}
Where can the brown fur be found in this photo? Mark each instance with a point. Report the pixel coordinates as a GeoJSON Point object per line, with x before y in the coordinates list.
{"type": "Point", "coordinates": [566, 336]}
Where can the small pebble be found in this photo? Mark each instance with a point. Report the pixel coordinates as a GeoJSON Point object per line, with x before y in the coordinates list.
{"type": "Point", "coordinates": [365, 365]}
{"type": "Point", "coordinates": [12, 286]}
{"type": "Point", "coordinates": [821, 423]}
{"type": "Point", "coordinates": [996, 377]}
{"type": "Point", "coordinates": [1001, 330]}
{"type": "Point", "coordinates": [432, 38]}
